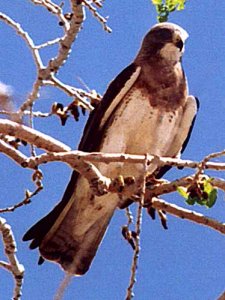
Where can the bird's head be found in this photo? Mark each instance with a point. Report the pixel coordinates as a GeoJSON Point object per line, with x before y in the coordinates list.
{"type": "Point", "coordinates": [164, 41]}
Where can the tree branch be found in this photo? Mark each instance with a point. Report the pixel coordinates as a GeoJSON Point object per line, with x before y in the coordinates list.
{"type": "Point", "coordinates": [188, 214]}
{"type": "Point", "coordinates": [95, 13]}
{"type": "Point", "coordinates": [14, 266]}
{"type": "Point", "coordinates": [137, 249]}
{"type": "Point", "coordinates": [32, 136]}
{"type": "Point", "coordinates": [21, 32]}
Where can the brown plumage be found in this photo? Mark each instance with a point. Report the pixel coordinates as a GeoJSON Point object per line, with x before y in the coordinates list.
{"type": "Point", "coordinates": [146, 109]}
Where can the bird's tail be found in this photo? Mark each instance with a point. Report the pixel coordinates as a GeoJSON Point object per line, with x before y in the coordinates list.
{"type": "Point", "coordinates": [71, 233]}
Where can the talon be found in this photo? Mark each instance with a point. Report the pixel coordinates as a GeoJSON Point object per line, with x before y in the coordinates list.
{"type": "Point", "coordinates": [163, 217]}
{"type": "Point", "coordinates": [151, 212]}
{"type": "Point", "coordinates": [99, 187]}
{"type": "Point", "coordinates": [125, 203]}
{"type": "Point", "coordinates": [129, 180]}
{"type": "Point", "coordinates": [118, 183]}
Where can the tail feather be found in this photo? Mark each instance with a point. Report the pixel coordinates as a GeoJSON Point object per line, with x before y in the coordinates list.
{"type": "Point", "coordinates": [75, 253]}
{"type": "Point", "coordinates": [38, 231]}
{"type": "Point", "coordinates": [71, 233]}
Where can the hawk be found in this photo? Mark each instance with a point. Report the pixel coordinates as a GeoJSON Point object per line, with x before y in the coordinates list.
{"type": "Point", "coordinates": [146, 109]}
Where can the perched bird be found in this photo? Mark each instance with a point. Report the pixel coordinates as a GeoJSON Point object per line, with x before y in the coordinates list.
{"type": "Point", "coordinates": [146, 109]}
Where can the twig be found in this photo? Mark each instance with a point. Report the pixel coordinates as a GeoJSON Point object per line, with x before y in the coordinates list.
{"type": "Point", "coordinates": [98, 3]}
{"type": "Point", "coordinates": [63, 286]}
{"type": "Point", "coordinates": [129, 216]}
{"type": "Point", "coordinates": [203, 164]}
{"type": "Point", "coordinates": [54, 9]}
{"type": "Point", "coordinates": [37, 114]}
{"type": "Point", "coordinates": [25, 201]}
{"type": "Point", "coordinates": [14, 266]}
{"type": "Point", "coordinates": [65, 44]}
{"type": "Point", "coordinates": [188, 214]}
{"type": "Point", "coordinates": [31, 121]}
{"type": "Point", "coordinates": [169, 187]}
{"type": "Point", "coordinates": [48, 43]}
{"type": "Point", "coordinates": [130, 293]}
{"type": "Point", "coordinates": [71, 91]}
{"type": "Point", "coordinates": [34, 94]}
{"type": "Point", "coordinates": [19, 30]}
{"type": "Point", "coordinates": [95, 13]}
{"type": "Point", "coordinates": [12, 153]}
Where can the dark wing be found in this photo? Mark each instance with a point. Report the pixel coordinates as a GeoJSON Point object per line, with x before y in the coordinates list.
{"type": "Point", "coordinates": [165, 169]}
{"type": "Point", "coordinates": [90, 141]}
{"type": "Point", "coordinates": [92, 135]}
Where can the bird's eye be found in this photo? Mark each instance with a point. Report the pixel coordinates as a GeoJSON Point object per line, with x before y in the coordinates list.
{"type": "Point", "coordinates": [179, 44]}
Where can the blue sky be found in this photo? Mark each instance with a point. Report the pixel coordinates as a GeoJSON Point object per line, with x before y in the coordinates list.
{"type": "Point", "coordinates": [185, 262]}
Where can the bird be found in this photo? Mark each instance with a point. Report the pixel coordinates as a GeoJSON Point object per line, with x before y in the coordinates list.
{"type": "Point", "coordinates": [145, 109]}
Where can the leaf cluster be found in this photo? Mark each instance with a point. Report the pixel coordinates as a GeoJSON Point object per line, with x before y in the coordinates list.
{"type": "Point", "coordinates": [201, 192]}
{"type": "Point", "coordinates": [165, 7]}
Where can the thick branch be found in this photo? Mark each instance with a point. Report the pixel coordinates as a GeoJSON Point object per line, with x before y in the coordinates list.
{"type": "Point", "coordinates": [14, 266]}
{"type": "Point", "coordinates": [66, 43]}
{"type": "Point", "coordinates": [95, 157]}
{"type": "Point", "coordinates": [78, 160]}
{"type": "Point", "coordinates": [32, 136]}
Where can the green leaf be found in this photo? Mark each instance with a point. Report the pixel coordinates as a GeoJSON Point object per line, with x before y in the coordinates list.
{"type": "Point", "coordinates": [181, 5]}
{"type": "Point", "coordinates": [207, 186]}
{"type": "Point", "coordinates": [201, 201]}
{"type": "Point", "coordinates": [183, 192]}
{"type": "Point", "coordinates": [212, 198]}
{"type": "Point", "coordinates": [191, 201]}
{"type": "Point", "coordinates": [171, 5]}
{"type": "Point", "coordinates": [156, 2]}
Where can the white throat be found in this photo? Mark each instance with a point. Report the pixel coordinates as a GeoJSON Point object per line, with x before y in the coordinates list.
{"type": "Point", "coordinates": [171, 53]}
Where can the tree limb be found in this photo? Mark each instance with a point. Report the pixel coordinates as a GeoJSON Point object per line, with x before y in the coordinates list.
{"type": "Point", "coordinates": [13, 266]}
{"type": "Point", "coordinates": [188, 214]}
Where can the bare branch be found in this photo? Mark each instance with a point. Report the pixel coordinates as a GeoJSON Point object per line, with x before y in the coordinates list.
{"type": "Point", "coordinates": [77, 19]}
{"type": "Point", "coordinates": [37, 114]}
{"type": "Point", "coordinates": [48, 43]}
{"type": "Point", "coordinates": [14, 266]}
{"type": "Point", "coordinates": [63, 286]}
{"type": "Point", "coordinates": [167, 187]}
{"type": "Point", "coordinates": [54, 9]}
{"type": "Point", "coordinates": [19, 30]}
{"type": "Point", "coordinates": [12, 153]}
{"type": "Point", "coordinates": [34, 94]}
{"type": "Point", "coordinates": [32, 136]}
{"type": "Point", "coordinates": [46, 74]}
{"type": "Point", "coordinates": [74, 158]}
{"type": "Point", "coordinates": [25, 201]}
{"type": "Point", "coordinates": [188, 214]}
{"type": "Point", "coordinates": [72, 92]}
{"type": "Point", "coordinates": [107, 158]}
{"type": "Point", "coordinates": [138, 233]}
{"type": "Point", "coordinates": [95, 13]}
{"type": "Point", "coordinates": [78, 160]}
